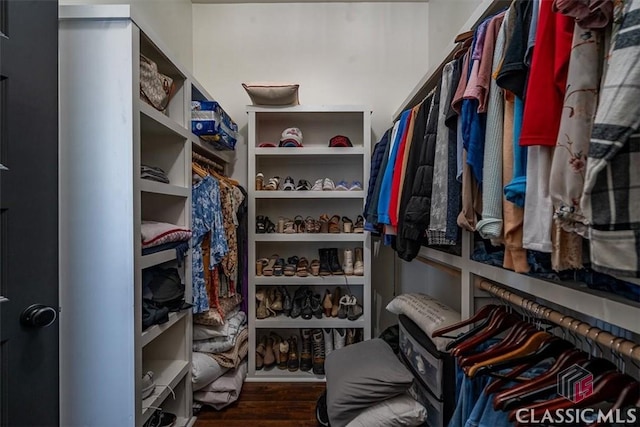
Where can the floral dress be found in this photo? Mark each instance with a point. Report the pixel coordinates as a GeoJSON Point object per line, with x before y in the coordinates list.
{"type": "Point", "coordinates": [206, 214]}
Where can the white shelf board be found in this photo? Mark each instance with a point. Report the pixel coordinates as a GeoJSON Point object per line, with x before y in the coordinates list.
{"type": "Point", "coordinates": [278, 375]}
{"type": "Point", "coordinates": [310, 280]}
{"type": "Point", "coordinates": [441, 257]}
{"type": "Point", "coordinates": [309, 151]}
{"type": "Point", "coordinates": [160, 123]}
{"type": "Point", "coordinates": [311, 237]}
{"type": "Point", "coordinates": [148, 186]}
{"type": "Point", "coordinates": [157, 258]}
{"type": "Point", "coordinates": [310, 109]}
{"type": "Point", "coordinates": [110, 11]}
{"type": "Point", "coordinates": [309, 194]}
{"type": "Point", "coordinates": [285, 322]}
{"type": "Point", "coordinates": [600, 305]}
{"type": "Point", "coordinates": [155, 331]}
{"type": "Point", "coordinates": [208, 150]}
{"type": "Point", "coordinates": [167, 375]}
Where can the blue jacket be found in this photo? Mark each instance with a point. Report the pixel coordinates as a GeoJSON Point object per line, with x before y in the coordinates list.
{"type": "Point", "coordinates": [387, 179]}
{"type": "Point", "coordinates": [377, 160]}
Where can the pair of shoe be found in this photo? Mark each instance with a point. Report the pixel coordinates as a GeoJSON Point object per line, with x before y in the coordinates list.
{"type": "Point", "coordinates": [330, 263]}
{"type": "Point", "coordinates": [264, 225]}
{"type": "Point", "coordinates": [271, 301]}
{"type": "Point", "coordinates": [331, 302]}
{"type": "Point", "coordinates": [345, 186]}
{"type": "Point", "coordinates": [272, 185]}
{"type": "Point", "coordinates": [294, 266]}
{"type": "Point", "coordinates": [289, 184]}
{"type": "Point", "coordinates": [349, 308]}
{"type": "Point", "coordinates": [323, 184]}
{"type": "Point", "coordinates": [306, 304]}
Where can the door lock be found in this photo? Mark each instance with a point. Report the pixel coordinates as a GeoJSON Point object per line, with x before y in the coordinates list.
{"type": "Point", "coordinates": [38, 316]}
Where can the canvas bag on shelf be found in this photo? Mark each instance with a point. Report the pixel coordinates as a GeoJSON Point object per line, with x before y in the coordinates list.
{"type": "Point", "coordinates": [156, 89]}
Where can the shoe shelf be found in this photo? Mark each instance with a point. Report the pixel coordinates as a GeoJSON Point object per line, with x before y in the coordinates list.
{"type": "Point", "coordinates": [276, 374]}
{"type": "Point", "coordinates": [167, 375]}
{"type": "Point", "coordinates": [309, 194]}
{"type": "Point", "coordinates": [309, 280]}
{"type": "Point", "coordinates": [284, 322]}
{"type": "Point", "coordinates": [311, 237]}
{"type": "Point", "coordinates": [309, 151]}
{"type": "Point", "coordinates": [314, 160]}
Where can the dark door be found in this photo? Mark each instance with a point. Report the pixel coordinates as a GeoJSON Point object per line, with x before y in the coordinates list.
{"type": "Point", "coordinates": [29, 213]}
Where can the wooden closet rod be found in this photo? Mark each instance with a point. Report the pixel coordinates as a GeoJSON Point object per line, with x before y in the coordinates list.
{"type": "Point", "coordinates": [202, 159]}
{"type": "Point", "coordinates": [617, 344]}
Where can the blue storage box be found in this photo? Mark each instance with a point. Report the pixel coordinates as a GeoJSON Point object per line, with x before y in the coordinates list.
{"type": "Point", "coordinates": [212, 124]}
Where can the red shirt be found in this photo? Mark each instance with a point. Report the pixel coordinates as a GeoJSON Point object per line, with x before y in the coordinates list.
{"type": "Point", "coordinates": [548, 77]}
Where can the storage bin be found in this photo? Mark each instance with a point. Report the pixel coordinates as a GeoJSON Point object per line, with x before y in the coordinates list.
{"type": "Point", "coordinates": [212, 124]}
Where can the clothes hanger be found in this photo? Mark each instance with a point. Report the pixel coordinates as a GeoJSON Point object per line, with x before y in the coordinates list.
{"type": "Point", "coordinates": [483, 313]}
{"type": "Point", "coordinates": [517, 333]}
{"type": "Point", "coordinates": [607, 386]}
{"type": "Point", "coordinates": [476, 329]}
{"type": "Point", "coordinates": [529, 346]}
{"type": "Point", "coordinates": [497, 324]}
{"type": "Point", "coordinates": [199, 170]}
{"type": "Point", "coordinates": [553, 347]}
{"type": "Point", "coordinates": [535, 392]}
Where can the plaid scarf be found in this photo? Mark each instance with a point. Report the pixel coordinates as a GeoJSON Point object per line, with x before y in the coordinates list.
{"type": "Point", "coordinates": [611, 199]}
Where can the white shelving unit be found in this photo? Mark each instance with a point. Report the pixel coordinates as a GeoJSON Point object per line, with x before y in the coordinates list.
{"type": "Point", "coordinates": [607, 307]}
{"type": "Point", "coordinates": [106, 133]}
{"type": "Point", "coordinates": [312, 161]}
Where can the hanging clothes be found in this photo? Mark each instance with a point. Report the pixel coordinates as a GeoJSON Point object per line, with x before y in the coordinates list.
{"type": "Point", "coordinates": [611, 202]}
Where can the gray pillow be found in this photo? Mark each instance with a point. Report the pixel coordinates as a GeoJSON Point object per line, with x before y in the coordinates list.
{"type": "Point", "coordinates": [361, 375]}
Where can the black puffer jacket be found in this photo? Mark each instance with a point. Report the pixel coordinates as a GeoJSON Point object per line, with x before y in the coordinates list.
{"type": "Point", "coordinates": [415, 202]}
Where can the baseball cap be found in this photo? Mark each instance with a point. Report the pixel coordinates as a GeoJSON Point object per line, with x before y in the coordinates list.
{"type": "Point", "coordinates": [291, 137]}
{"type": "Point", "coordinates": [340, 141]}
{"type": "Point", "coordinates": [266, 144]}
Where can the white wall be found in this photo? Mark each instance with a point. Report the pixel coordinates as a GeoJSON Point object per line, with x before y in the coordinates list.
{"type": "Point", "coordinates": [339, 53]}
{"type": "Point", "coordinates": [446, 17]}
{"type": "Point", "coordinates": [170, 21]}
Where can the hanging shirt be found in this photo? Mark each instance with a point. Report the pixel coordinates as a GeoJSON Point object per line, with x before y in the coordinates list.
{"type": "Point", "coordinates": [548, 78]}
{"type": "Point", "coordinates": [206, 216]}
{"type": "Point", "coordinates": [387, 179]}
{"type": "Point", "coordinates": [611, 199]}
{"type": "Point", "coordinates": [401, 164]}
{"type": "Point", "coordinates": [515, 191]}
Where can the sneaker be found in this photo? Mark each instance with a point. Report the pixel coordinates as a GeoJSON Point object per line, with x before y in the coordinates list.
{"type": "Point", "coordinates": [355, 186]}
{"type": "Point", "coordinates": [317, 186]}
{"type": "Point", "coordinates": [289, 184]}
{"type": "Point", "coordinates": [328, 185]}
{"type": "Point", "coordinates": [148, 385]}
{"type": "Point", "coordinates": [342, 186]}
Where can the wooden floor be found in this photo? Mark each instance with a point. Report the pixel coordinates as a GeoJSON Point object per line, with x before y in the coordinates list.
{"type": "Point", "coordinates": [268, 404]}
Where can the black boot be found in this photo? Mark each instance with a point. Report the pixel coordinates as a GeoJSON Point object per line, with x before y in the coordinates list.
{"type": "Point", "coordinates": [325, 268]}
{"type": "Point", "coordinates": [286, 301]}
{"type": "Point", "coordinates": [306, 359]}
{"type": "Point", "coordinates": [318, 351]}
{"type": "Point", "coordinates": [334, 262]}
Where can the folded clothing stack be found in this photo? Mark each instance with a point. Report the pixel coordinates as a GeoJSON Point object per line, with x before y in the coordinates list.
{"type": "Point", "coordinates": [153, 173]}
{"type": "Point", "coordinates": [221, 344]}
{"type": "Point", "coordinates": [224, 391]}
{"type": "Point", "coordinates": [159, 233]}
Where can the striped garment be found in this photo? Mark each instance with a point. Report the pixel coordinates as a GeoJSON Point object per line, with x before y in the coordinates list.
{"type": "Point", "coordinates": [611, 199]}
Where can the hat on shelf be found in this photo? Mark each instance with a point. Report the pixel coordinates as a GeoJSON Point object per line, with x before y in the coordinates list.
{"type": "Point", "coordinates": [291, 137]}
{"type": "Point", "coordinates": [267, 144]}
{"type": "Point", "coordinates": [340, 141]}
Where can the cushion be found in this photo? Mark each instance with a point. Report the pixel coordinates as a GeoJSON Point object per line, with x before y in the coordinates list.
{"type": "Point", "coordinates": [361, 375]}
{"type": "Point", "coordinates": [159, 233]}
{"type": "Point", "coordinates": [272, 93]}
{"type": "Point", "coordinates": [398, 411]}
{"type": "Point", "coordinates": [205, 332]}
{"type": "Point", "coordinates": [426, 312]}
{"type": "Point", "coordinates": [204, 370]}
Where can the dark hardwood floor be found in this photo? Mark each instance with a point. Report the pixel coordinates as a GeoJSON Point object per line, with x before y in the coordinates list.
{"type": "Point", "coordinates": [267, 405]}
